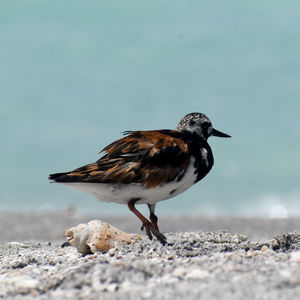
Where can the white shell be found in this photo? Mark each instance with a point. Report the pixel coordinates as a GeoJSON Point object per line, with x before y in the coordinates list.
{"type": "Point", "coordinates": [95, 236]}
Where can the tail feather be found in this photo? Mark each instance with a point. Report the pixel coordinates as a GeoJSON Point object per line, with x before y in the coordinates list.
{"type": "Point", "coordinates": [59, 177]}
{"type": "Point", "coordinates": [77, 175]}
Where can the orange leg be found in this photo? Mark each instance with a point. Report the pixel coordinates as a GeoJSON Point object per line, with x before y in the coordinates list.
{"type": "Point", "coordinates": [150, 229]}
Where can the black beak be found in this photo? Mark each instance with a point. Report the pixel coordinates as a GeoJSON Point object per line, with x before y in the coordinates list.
{"type": "Point", "coordinates": [218, 133]}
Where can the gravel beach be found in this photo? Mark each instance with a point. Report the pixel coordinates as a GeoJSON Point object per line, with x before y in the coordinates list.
{"type": "Point", "coordinates": [206, 258]}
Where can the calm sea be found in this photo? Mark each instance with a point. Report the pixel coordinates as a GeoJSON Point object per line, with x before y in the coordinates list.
{"type": "Point", "coordinates": [74, 74]}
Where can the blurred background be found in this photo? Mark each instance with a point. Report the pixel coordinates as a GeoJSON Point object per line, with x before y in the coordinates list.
{"type": "Point", "coordinates": [74, 74]}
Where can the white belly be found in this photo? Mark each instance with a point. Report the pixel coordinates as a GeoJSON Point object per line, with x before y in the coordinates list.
{"type": "Point", "coordinates": [123, 193]}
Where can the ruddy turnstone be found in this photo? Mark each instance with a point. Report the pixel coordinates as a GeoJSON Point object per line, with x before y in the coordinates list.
{"type": "Point", "coordinates": [145, 167]}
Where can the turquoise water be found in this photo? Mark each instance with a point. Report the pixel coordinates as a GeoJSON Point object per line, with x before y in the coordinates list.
{"type": "Point", "coordinates": [74, 74]}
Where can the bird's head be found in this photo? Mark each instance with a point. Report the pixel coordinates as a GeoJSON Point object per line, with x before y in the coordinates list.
{"type": "Point", "coordinates": [199, 125]}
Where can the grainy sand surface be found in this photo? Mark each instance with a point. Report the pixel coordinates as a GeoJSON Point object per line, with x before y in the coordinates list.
{"type": "Point", "coordinates": [206, 258]}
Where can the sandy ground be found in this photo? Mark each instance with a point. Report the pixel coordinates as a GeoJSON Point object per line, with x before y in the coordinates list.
{"type": "Point", "coordinates": [252, 259]}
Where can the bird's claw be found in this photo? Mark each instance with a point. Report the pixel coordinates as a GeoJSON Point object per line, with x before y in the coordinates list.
{"type": "Point", "coordinates": [159, 236]}
{"type": "Point", "coordinates": [150, 230]}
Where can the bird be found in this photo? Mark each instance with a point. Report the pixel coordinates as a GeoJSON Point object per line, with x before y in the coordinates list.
{"type": "Point", "coordinates": [145, 167]}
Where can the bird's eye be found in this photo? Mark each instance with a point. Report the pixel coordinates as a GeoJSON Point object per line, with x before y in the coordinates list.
{"type": "Point", "coordinates": [205, 125]}
{"type": "Point", "coordinates": [192, 123]}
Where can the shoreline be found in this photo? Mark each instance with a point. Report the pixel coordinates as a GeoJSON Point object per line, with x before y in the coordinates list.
{"type": "Point", "coordinates": [50, 225]}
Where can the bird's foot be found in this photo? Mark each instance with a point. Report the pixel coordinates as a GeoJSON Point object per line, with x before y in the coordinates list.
{"type": "Point", "coordinates": [159, 236]}
{"type": "Point", "coordinates": [150, 231]}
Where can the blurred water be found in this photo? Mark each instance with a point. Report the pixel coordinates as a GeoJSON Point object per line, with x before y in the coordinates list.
{"type": "Point", "coordinates": [74, 74]}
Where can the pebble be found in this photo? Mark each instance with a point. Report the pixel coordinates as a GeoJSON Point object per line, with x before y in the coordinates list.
{"type": "Point", "coordinates": [180, 272]}
{"type": "Point", "coordinates": [264, 248]}
{"type": "Point", "coordinates": [197, 274]}
{"type": "Point", "coordinates": [295, 257]}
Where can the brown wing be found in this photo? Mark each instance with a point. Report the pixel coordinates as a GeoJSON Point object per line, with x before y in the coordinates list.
{"type": "Point", "coordinates": [151, 158]}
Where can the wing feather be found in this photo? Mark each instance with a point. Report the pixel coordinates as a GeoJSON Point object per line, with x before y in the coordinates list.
{"type": "Point", "coordinates": [151, 158]}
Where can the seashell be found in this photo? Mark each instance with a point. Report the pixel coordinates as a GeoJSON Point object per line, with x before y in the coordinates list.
{"type": "Point", "coordinates": [95, 236]}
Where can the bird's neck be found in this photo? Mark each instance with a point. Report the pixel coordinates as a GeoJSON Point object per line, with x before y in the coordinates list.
{"type": "Point", "coordinates": [201, 151]}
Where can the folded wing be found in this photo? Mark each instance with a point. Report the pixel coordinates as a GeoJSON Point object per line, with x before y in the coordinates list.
{"type": "Point", "coordinates": [151, 158]}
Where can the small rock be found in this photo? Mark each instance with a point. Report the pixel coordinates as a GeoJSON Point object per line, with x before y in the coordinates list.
{"type": "Point", "coordinates": [112, 251]}
{"type": "Point", "coordinates": [197, 274]}
{"type": "Point", "coordinates": [295, 257]}
{"type": "Point", "coordinates": [112, 287]}
{"type": "Point", "coordinates": [179, 272]}
{"type": "Point", "coordinates": [264, 248]}
{"type": "Point", "coordinates": [21, 282]}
